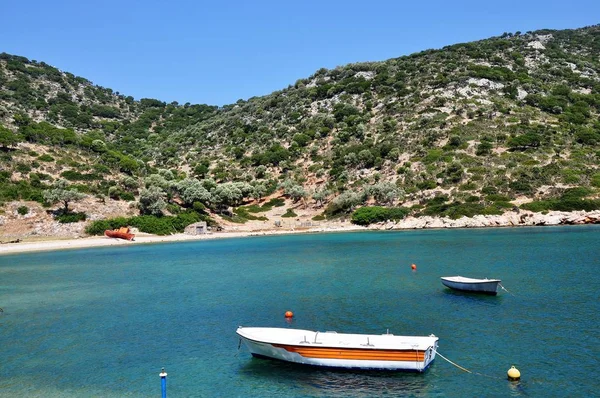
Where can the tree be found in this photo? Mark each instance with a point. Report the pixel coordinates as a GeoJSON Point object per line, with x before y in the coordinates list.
{"type": "Point", "coordinates": [366, 158]}
{"type": "Point", "coordinates": [21, 119]}
{"type": "Point", "coordinates": [346, 202]}
{"type": "Point", "coordinates": [293, 190]}
{"type": "Point", "coordinates": [320, 195]}
{"type": "Point", "coordinates": [60, 193]}
{"type": "Point", "coordinates": [152, 201]}
{"type": "Point", "coordinates": [297, 192]}
{"type": "Point", "coordinates": [384, 192]}
{"type": "Point", "coordinates": [201, 170]}
{"type": "Point", "coordinates": [484, 148]}
{"type": "Point", "coordinates": [245, 188]}
{"type": "Point", "coordinates": [259, 190]}
{"type": "Point", "coordinates": [227, 194]}
{"type": "Point", "coordinates": [98, 146]}
{"type": "Point", "coordinates": [156, 180]}
{"type": "Point", "coordinates": [7, 137]}
{"type": "Point", "coordinates": [128, 165]}
{"type": "Point", "coordinates": [524, 141]}
{"type": "Point", "coordinates": [166, 174]}
{"type": "Point", "coordinates": [129, 183]}
{"type": "Point", "coordinates": [191, 190]}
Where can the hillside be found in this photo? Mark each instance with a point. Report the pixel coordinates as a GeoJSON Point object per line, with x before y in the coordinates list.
{"type": "Point", "coordinates": [474, 128]}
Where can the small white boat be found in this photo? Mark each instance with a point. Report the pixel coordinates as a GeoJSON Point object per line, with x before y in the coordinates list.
{"type": "Point", "coordinates": [485, 286]}
{"type": "Point", "coordinates": [341, 350]}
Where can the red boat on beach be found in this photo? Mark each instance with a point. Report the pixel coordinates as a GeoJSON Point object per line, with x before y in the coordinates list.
{"type": "Point", "coordinates": [122, 233]}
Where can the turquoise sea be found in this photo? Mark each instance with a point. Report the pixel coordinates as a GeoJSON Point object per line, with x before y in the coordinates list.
{"type": "Point", "coordinates": [103, 322]}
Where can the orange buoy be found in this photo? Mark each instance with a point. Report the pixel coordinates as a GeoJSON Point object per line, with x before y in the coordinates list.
{"type": "Point", "coordinates": [289, 314]}
{"type": "Point", "coordinates": [413, 266]}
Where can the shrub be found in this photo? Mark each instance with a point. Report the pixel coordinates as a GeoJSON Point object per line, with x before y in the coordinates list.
{"type": "Point", "coordinates": [536, 207]}
{"type": "Point", "coordinates": [45, 158]}
{"type": "Point", "coordinates": [72, 175]}
{"type": "Point", "coordinates": [244, 213]}
{"type": "Point", "coordinates": [99, 226]}
{"type": "Point", "coordinates": [470, 186]}
{"type": "Point", "coordinates": [154, 225]}
{"type": "Point", "coordinates": [128, 196]}
{"type": "Point", "coordinates": [163, 225]}
{"type": "Point", "coordinates": [595, 181]}
{"type": "Point", "coordinates": [5, 175]}
{"type": "Point", "coordinates": [373, 214]}
{"type": "Point", "coordinates": [289, 213]}
{"type": "Point", "coordinates": [22, 210]}
{"type": "Point", "coordinates": [198, 207]}
{"type": "Point", "coordinates": [503, 204]}
{"type": "Point", "coordinates": [23, 168]}
{"type": "Point", "coordinates": [275, 202]}
{"type": "Point", "coordinates": [494, 197]}
{"type": "Point", "coordinates": [429, 184]}
{"type": "Point", "coordinates": [173, 208]}
{"type": "Point", "coordinates": [236, 219]}
{"type": "Point", "coordinates": [71, 217]}
{"type": "Point", "coordinates": [114, 192]}
{"type": "Point", "coordinates": [572, 199]}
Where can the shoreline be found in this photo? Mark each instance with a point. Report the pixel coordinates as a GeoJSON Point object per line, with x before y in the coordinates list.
{"type": "Point", "coordinates": [143, 238]}
{"type": "Point", "coordinates": [509, 219]}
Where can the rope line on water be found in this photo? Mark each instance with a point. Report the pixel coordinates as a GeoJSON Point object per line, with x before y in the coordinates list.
{"type": "Point", "coordinates": [464, 369]}
{"type": "Point", "coordinates": [449, 361]}
{"type": "Point", "coordinates": [505, 289]}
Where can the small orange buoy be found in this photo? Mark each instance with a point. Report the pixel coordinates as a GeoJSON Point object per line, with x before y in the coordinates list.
{"type": "Point", "coordinates": [289, 314]}
{"type": "Point", "coordinates": [413, 266]}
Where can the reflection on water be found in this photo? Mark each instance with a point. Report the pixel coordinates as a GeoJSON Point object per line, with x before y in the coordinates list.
{"type": "Point", "coordinates": [517, 389]}
{"type": "Point", "coordinates": [470, 298]}
{"type": "Point", "coordinates": [316, 381]}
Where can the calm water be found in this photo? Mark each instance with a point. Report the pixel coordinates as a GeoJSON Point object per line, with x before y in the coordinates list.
{"type": "Point", "coordinates": [103, 322]}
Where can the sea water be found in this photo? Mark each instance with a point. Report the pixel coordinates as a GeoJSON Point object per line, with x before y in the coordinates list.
{"type": "Point", "coordinates": [103, 322]}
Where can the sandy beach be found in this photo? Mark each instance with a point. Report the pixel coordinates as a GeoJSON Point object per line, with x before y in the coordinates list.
{"type": "Point", "coordinates": [142, 238]}
{"type": "Point", "coordinates": [508, 219]}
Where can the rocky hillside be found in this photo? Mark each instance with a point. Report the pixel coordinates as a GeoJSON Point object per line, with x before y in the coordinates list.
{"type": "Point", "coordinates": [472, 128]}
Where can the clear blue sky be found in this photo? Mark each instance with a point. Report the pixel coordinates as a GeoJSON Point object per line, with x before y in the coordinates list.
{"type": "Point", "coordinates": [216, 52]}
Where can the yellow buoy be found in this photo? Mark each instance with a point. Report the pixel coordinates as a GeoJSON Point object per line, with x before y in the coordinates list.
{"type": "Point", "coordinates": [513, 374]}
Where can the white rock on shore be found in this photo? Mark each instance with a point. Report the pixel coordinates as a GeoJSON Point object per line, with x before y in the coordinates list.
{"type": "Point", "coordinates": [508, 219]}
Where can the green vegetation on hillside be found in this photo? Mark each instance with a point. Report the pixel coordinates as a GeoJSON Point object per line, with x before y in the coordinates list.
{"type": "Point", "coordinates": [473, 126]}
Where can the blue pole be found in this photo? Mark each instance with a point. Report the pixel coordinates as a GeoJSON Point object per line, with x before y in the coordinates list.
{"type": "Point", "coordinates": [163, 382]}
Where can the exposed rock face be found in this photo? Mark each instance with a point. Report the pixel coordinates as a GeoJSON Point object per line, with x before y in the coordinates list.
{"type": "Point", "coordinates": [508, 219]}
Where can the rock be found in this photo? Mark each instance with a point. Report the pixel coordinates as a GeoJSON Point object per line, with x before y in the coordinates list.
{"type": "Point", "coordinates": [508, 219]}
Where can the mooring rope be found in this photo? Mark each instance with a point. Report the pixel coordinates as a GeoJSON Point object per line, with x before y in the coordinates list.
{"type": "Point", "coordinates": [464, 369]}
{"type": "Point", "coordinates": [458, 366]}
{"type": "Point", "coordinates": [505, 289]}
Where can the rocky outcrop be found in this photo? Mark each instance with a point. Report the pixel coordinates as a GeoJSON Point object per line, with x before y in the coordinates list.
{"type": "Point", "coordinates": [508, 219]}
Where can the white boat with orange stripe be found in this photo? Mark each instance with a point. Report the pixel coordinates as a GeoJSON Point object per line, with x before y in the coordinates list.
{"type": "Point", "coordinates": [341, 350]}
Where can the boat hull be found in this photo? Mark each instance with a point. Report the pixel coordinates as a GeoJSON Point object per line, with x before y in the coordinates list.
{"type": "Point", "coordinates": [483, 286]}
{"type": "Point", "coordinates": [338, 350]}
{"type": "Point", "coordinates": [119, 234]}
